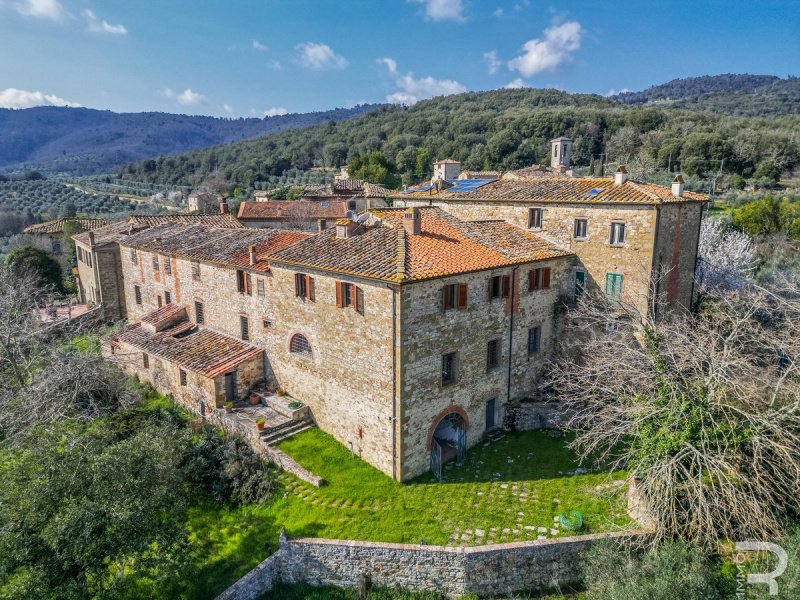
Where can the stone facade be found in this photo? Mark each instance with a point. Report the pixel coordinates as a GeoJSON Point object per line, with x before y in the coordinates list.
{"type": "Point", "coordinates": [100, 279]}
{"type": "Point", "coordinates": [501, 569]}
{"type": "Point", "coordinates": [669, 232]}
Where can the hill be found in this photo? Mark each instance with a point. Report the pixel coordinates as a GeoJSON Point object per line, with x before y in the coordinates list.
{"type": "Point", "coordinates": [743, 95]}
{"type": "Point", "coordinates": [86, 141]}
{"type": "Point", "coordinates": [503, 129]}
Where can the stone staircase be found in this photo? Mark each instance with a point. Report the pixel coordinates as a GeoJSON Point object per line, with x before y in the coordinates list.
{"type": "Point", "coordinates": [272, 436]}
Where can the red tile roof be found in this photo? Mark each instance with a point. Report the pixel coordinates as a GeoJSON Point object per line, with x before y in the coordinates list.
{"type": "Point", "coordinates": [57, 226]}
{"type": "Point", "coordinates": [382, 249]}
{"type": "Point", "coordinates": [201, 351]}
{"type": "Point", "coordinates": [226, 247]}
{"type": "Point", "coordinates": [216, 220]}
{"type": "Point", "coordinates": [296, 210]}
{"type": "Point", "coordinates": [590, 190]}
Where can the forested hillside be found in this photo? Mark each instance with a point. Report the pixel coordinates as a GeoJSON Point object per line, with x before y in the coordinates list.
{"type": "Point", "coordinates": [744, 95]}
{"type": "Point", "coordinates": [85, 141]}
{"type": "Point", "coordinates": [504, 129]}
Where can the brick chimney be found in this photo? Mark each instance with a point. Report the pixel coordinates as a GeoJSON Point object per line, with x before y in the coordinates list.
{"type": "Point", "coordinates": [677, 186]}
{"type": "Point", "coordinates": [252, 251]}
{"type": "Point", "coordinates": [224, 209]}
{"type": "Point", "coordinates": [621, 176]}
{"type": "Point", "coordinates": [91, 239]}
{"type": "Point", "coordinates": [412, 221]}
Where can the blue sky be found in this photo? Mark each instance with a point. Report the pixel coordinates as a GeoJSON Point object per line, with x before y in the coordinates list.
{"type": "Point", "coordinates": [255, 57]}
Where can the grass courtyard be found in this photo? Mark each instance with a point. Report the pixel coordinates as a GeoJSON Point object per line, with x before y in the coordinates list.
{"type": "Point", "coordinates": [509, 490]}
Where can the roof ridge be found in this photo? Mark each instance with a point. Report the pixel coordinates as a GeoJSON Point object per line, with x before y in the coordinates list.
{"type": "Point", "coordinates": [639, 187]}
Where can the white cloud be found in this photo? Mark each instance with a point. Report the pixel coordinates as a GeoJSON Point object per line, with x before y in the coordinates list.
{"type": "Point", "coordinates": [443, 10]}
{"type": "Point", "coordinates": [499, 12]}
{"type": "Point", "coordinates": [492, 61]}
{"type": "Point", "coordinates": [413, 90]}
{"type": "Point", "coordinates": [41, 9]}
{"type": "Point", "coordinates": [101, 25]}
{"type": "Point", "coordinates": [14, 98]}
{"type": "Point", "coordinates": [276, 111]}
{"type": "Point", "coordinates": [613, 92]}
{"type": "Point", "coordinates": [186, 98]}
{"type": "Point", "coordinates": [227, 108]}
{"type": "Point", "coordinates": [319, 57]}
{"type": "Point", "coordinates": [550, 52]}
{"type": "Point", "coordinates": [259, 46]}
{"type": "Point", "coordinates": [516, 84]}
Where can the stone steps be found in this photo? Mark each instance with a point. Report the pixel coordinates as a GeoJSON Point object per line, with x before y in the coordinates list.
{"type": "Point", "coordinates": [278, 434]}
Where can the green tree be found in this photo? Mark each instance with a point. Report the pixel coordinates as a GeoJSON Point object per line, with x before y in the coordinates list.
{"type": "Point", "coordinates": [375, 168]}
{"type": "Point", "coordinates": [67, 243]}
{"type": "Point", "coordinates": [422, 164]}
{"type": "Point", "coordinates": [762, 216]}
{"type": "Point", "coordinates": [69, 210]}
{"type": "Point", "coordinates": [29, 259]}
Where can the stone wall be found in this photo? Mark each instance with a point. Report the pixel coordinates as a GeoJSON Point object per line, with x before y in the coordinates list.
{"type": "Point", "coordinates": [676, 253]}
{"type": "Point", "coordinates": [596, 256]}
{"type": "Point", "coordinates": [539, 415]}
{"type": "Point", "coordinates": [501, 569]}
{"type": "Point", "coordinates": [102, 283]}
{"type": "Point", "coordinates": [428, 332]}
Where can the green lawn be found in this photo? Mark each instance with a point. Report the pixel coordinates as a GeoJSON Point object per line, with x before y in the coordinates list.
{"type": "Point", "coordinates": [504, 491]}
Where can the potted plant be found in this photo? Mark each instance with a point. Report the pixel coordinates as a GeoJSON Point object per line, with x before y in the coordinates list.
{"type": "Point", "coordinates": [261, 423]}
{"type": "Point", "coordinates": [281, 392]}
{"type": "Point", "coordinates": [255, 399]}
{"type": "Point", "coordinates": [228, 407]}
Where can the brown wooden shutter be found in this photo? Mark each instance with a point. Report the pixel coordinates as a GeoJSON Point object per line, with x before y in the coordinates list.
{"type": "Point", "coordinates": [445, 297]}
{"type": "Point", "coordinates": [546, 278]}
{"type": "Point", "coordinates": [309, 287]}
{"type": "Point", "coordinates": [339, 295]}
{"type": "Point", "coordinates": [297, 279]}
{"type": "Point", "coordinates": [359, 299]}
{"type": "Point", "coordinates": [506, 286]}
{"type": "Point", "coordinates": [248, 284]}
{"type": "Point", "coordinates": [531, 280]}
{"type": "Point", "coordinates": [462, 296]}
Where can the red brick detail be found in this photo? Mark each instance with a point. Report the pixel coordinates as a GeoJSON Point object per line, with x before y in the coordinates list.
{"type": "Point", "coordinates": [438, 418]}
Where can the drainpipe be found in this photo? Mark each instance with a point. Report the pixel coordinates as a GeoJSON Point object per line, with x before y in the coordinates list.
{"type": "Point", "coordinates": [511, 333]}
{"type": "Point", "coordinates": [394, 384]}
{"type": "Point", "coordinates": [654, 287]}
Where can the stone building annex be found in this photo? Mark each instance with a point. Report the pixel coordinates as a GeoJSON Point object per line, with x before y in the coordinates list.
{"type": "Point", "coordinates": [405, 331]}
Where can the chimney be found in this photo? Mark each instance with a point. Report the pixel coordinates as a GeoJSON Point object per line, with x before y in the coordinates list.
{"type": "Point", "coordinates": [322, 225]}
{"type": "Point", "coordinates": [412, 221]}
{"type": "Point", "coordinates": [677, 186]}
{"type": "Point", "coordinates": [224, 209]}
{"type": "Point", "coordinates": [252, 251]}
{"type": "Point", "coordinates": [621, 176]}
{"type": "Point", "coordinates": [91, 237]}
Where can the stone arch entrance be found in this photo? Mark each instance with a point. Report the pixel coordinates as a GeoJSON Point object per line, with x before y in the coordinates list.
{"type": "Point", "coordinates": [447, 439]}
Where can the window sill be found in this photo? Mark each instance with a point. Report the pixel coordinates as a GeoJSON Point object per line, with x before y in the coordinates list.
{"type": "Point", "coordinates": [623, 245]}
{"type": "Point", "coordinates": [580, 239]}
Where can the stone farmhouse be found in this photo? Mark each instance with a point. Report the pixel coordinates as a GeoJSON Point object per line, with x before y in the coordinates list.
{"type": "Point", "coordinates": [50, 234]}
{"type": "Point", "coordinates": [408, 331]}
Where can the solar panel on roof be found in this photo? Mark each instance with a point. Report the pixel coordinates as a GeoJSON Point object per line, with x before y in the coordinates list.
{"type": "Point", "coordinates": [424, 188]}
{"type": "Point", "coordinates": [467, 185]}
{"type": "Point", "coordinates": [593, 192]}
{"type": "Point", "coordinates": [324, 204]}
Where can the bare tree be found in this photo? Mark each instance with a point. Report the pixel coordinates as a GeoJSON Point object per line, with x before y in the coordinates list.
{"type": "Point", "coordinates": [702, 409]}
{"type": "Point", "coordinates": [726, 257]}
{"type": "Point", "coordinates": [43, 377]}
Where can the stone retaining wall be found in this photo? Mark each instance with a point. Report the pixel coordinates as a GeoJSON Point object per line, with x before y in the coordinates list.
{"type": "Point", "coordinates": [539, 565]}
{"type": "Point", "coordinates": [539, 415]}
{"type": "Point", "coordinates": [290, 465]}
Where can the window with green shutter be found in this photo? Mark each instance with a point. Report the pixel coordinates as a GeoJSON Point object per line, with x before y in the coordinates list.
{"type": "Point", "coordinates": [614, 285]}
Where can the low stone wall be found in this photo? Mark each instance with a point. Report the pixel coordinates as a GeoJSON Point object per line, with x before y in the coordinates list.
{"type": "Point", "coordinates": [539, 415]}
{"type": "Point", "coordinates": [290, 465]}
{"type": "Point", "coordinates": [539, 565]}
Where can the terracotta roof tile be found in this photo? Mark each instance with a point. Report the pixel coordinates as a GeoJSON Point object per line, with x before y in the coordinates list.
{"type": "Point", "coordinates": [201, 351]}
{"type": "Point", "coordinates": [446, 246]}
{"type": "Point", "coordinates": [594, 190]}
{"type": "Point", "coordinates": [226, 247]}
{"type": "Point", "coordinates": [57, 226]}
{"type": "Point", "coordinates": [216, 220]}
{"type": "Point", "coordinates": [299, 210]}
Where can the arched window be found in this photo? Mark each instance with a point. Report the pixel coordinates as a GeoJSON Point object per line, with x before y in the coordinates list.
{"type": "Point", "coordinates": [299, 345]}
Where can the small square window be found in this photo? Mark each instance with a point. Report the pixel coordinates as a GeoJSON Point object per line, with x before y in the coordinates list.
{"type": "Point", "coordinates": [448, 368]}
{"type": "Point", "coordinates": [450, 296]}
{"type": "Point", "coordinates": [617, 234]}
{"type": "Point", "coordinates": [580, 229]}
{"type": "Point", "coordinates": [534, 218]}
{"type": "Point", "coordinates": [167, 298]}
{"type": "Point", "coordinates": [145, 361]}
{"type": "Point", "coordinates": [137, 294]}
{"type": "Point", "coordinates": [267, 324]}
{"type": "Point", "coordinates": [182, 376]}
{"type": "Point", "coordinates": [499, 286]}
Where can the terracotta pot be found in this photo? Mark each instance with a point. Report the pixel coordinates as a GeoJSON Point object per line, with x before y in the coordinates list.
{"type": "Point", "coordinates": [261, 426]}
{"type": "Point", "coordinates": [255, 399]}
{"type": "Point", "coordinates": [229, 409]}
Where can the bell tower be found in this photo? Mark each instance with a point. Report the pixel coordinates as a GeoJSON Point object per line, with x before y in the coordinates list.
{"type": "Point", "coordinates": [561, 152]}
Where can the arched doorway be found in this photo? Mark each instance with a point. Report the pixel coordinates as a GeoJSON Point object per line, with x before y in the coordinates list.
{"type": "Point", "coordinates": [448, 440]}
